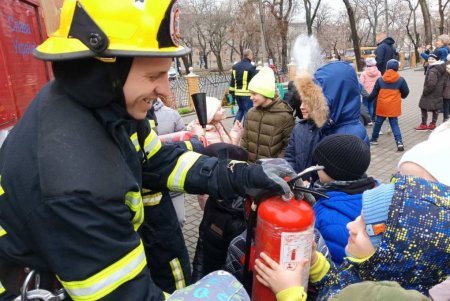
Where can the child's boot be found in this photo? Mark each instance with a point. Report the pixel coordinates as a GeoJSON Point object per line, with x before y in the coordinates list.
{"type": "Point", "coordinates": [431, 126]}
{"type": "Point", "coordinates": [421, 127]}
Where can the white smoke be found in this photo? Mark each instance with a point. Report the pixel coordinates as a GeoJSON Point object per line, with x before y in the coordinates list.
{"type": "Point", "coordinates": [307, 54]}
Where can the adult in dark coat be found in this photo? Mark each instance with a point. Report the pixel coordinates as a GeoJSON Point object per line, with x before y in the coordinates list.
{"type": "Point", "coordinates": [385, 51]}
{"type": "Point", "coordinates": [433, 91]}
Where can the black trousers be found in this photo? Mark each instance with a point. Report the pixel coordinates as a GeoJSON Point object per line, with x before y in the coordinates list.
{"type": "Point", "coordinates": [165, 248]}
{"type": "Point", "coordinates": [446, 109]}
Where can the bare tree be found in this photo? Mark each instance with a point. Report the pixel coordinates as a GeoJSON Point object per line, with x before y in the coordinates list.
{"type": "Point", "coordinates": [426, 21]}
{"type": "Point", "coordinates": [311, 13]}
{"type": "Point", "coordinates": [264, 42]}
{"type": "Point", "coordinates": [355, 38]}
{"type": "Point", "coordinates": [218, 30]}
{"type": "Point", "coordinates": [373, 10]}
{"type": "Point", "coordinates": [386, 17]}
{"type": "Point", "coordinates": [244, 30]}
{"type": "Point", "coordinates": [398, 18]}
{"type": "Point", "coordinates": [210, 24]}
{"type": "Point", "coordinates": [187, 37]}
{"type": "Point", "coordinates": [414, 36]}
{"type": "Point", "coordinates": [281, 10]}
{"type": "Point", "coordinates": [323, 15]}
{"type": "Point", "coordinates": [442, 7]}
{"type": "Point", "coordinates": [203, 44]}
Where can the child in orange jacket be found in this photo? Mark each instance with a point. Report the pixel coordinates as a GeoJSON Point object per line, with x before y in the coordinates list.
{"type": "Point", "coordinates": [388, 93]}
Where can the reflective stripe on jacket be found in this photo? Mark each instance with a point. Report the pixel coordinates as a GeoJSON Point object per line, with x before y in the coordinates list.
{"type": "Point", "coordinates": [241, 75]}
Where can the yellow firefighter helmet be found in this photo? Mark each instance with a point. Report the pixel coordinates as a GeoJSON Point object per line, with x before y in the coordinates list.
{"type": "Point", "coordinates": [97, 28]}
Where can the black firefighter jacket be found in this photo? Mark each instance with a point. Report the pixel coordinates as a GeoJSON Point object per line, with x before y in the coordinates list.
{"type": "Point", "coordinates": [71, 177]}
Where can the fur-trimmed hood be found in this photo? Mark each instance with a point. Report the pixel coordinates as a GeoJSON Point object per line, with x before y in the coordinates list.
{"type": "Point", "coordinates": [335, 93]}
{"type": "Point", "coordinates": [311, 95]}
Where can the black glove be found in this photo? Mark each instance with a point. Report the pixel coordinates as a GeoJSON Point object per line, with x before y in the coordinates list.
{"type": "Point", "coordinates": [262, 180]}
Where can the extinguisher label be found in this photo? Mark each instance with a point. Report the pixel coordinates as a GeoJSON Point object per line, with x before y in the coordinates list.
{"type": "Point", "coordinates": [294, 247]}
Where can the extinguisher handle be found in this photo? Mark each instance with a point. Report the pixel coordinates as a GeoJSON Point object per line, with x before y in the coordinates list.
{"type": "Point", "coordinates": [304, 172]}
{"type": "Point", "coordinates": [308, 190]}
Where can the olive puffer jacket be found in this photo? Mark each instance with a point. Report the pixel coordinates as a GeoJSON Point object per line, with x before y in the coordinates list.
{"type": "Point", "coordinates": [267, 130]}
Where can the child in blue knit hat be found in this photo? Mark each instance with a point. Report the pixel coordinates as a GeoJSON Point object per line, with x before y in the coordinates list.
{"type": "Point", "coordinates": [402, 234]}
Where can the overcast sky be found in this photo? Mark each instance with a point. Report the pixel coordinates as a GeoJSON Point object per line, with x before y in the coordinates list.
{"type": "Point", "coordinates": [337, 4]}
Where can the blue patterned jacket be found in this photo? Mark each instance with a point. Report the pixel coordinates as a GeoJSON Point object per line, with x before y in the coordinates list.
{"type": "Point", "coordinates": [415, 249]}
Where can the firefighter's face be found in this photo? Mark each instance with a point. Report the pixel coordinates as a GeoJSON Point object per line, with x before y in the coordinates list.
{"type": "Point", "coordinates": [359, 244]}
{"type": "Point", "coordinates": [146, 81]}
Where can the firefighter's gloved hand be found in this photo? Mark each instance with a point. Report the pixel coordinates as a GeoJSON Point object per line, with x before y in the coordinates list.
{"type": "Point", "coordinates": [267, 178]}
{"type": "Point", "coordinates": [299, 195]}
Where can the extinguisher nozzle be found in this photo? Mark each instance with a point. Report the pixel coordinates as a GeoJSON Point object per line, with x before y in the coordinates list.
{"type": "Point", "coordinates": [304, 172]}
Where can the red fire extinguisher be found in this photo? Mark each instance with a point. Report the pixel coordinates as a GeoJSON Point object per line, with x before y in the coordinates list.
{"type": "Point", "coordinates": [176, 137]}
{"type": "Point", "coordinates": [285, 232]}
{"type": "Point", "coordinates": [180, 136]}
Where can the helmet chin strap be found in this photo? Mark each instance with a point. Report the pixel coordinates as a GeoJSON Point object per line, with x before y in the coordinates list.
{"type": "Point", "coordinates": [118, 73]}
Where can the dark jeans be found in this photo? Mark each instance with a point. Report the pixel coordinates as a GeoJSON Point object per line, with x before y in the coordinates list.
{"type": "Point", "coordinates": [370, 108]}
{"type": "Point", "coordinates": [393, 121]}
{"type": "Point", "coordinates": [425, 116]}
{"type": "Point", "coordinates": [446, 109]}
{"type": "Point", "coordinates": [244, 103]}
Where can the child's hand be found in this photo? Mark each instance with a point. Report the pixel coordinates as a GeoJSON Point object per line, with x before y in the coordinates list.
{"type": "Point", "coordinates": [313, 253]}
{"type": "Point", "coordinates": [238, 124]}
{"type": "Point", "coordinates": [272, 275]}
{"type": "Point", "coordinates": [202, 198]}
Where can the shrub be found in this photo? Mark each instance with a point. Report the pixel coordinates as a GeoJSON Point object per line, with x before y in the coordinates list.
{"type": "Point", "coordinates": [184, 110]}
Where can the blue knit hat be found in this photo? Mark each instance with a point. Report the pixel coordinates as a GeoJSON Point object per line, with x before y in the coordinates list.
{"type": "Point", "coordinates": [375, 209]}
{"type": "Point", "coordinates": [437, 54]}
{"type": "Point", "coordinates": [392, 64]}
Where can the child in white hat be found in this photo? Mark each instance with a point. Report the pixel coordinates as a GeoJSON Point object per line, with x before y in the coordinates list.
{"type": "Point", "coordinates": [215, 131]}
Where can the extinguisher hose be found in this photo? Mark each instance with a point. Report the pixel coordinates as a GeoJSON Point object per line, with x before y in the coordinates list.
{"type": "Point", "coordinates": [308, 190]}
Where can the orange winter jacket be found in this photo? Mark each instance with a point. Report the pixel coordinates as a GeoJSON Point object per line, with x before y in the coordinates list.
{"type": "Point", "coordinates": [388, 93]}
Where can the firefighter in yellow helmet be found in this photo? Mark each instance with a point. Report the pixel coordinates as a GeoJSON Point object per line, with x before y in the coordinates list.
{"type": "Point", "coordinates": [72, 171]}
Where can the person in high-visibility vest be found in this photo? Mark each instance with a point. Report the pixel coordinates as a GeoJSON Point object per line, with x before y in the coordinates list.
{"type": "Point", "coordinates": [241, 74]}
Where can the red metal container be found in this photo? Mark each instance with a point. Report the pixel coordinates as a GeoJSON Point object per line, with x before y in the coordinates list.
{"type": "Point", "coordinates": [176, 137]}
{"type": "Point", "coordinates": [285, 232]}
{"type": "Point", "coordinates": [21, 75]}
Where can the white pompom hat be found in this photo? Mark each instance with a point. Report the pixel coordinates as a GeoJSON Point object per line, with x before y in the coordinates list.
{"type": "Point", "coordinates": [433, 154]}
{"type": "Point", "coordinates": [212, 106]}
{"type": "Point", "coordinates": [371, 61]}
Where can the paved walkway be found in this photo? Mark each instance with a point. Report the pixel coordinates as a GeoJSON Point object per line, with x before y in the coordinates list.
{"type": "Point", "coordinates": [384, 156]}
